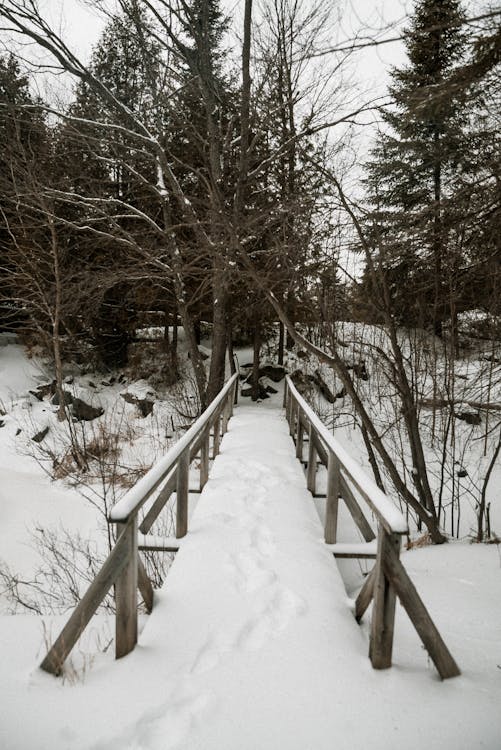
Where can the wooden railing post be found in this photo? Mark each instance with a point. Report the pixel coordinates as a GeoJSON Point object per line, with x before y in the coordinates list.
{"type": "Point", "coordinates": [204, 458]}
{"type": "Point", "coordinates": [182, 488]}
{"type": "Point", "coordinates": [217, 435]}
{"type": "Point", "coordinates": [288, 406]}
{"type": "Point", "coordinates": [82, 614]}
{"type": "Point", "coordinates": [332, 502]}
{"type": "Point", "coordinates": [300, 436]}
{"type": "Point", "coordinates": [285, 394]}
{"type": "Point", "coordinates": [126, 593]}
{"type": "Point", "coordinates": [226, 416]}
{"type": "Point", "coordinates": [383, 609]}
{"type": "Point", "coordinates": [311, 473]}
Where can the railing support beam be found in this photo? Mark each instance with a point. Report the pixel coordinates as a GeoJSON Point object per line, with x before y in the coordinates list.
{"type": "Point", "coordinates": [383, 611]}
{"type": "Point", "coordinates": [311, 472]}
{"type": "Point", "coordinates": [126, 593]}
{"type": "Point", "coordinates": [182, 490]}
{"type": "Point", "coordinates": [332, 502]}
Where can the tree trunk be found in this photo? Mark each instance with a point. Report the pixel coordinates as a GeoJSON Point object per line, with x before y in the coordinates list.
{"type": "Point", "coordinates": [281, 342]}
{"type": "Point", "coordinates": [219, 333]}
{"type": "Point", "coordinates": [231, 353]}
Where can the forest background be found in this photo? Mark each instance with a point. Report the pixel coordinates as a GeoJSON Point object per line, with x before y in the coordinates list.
{"type": "Point", "coordinates": [217, 187]}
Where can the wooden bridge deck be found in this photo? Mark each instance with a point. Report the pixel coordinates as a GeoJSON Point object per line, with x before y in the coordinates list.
{"type": "Point", "coordinates": [252, 612]}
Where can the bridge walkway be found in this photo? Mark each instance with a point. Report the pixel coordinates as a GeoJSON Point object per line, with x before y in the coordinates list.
{"type": "Point", "coordinates": [253, 612]}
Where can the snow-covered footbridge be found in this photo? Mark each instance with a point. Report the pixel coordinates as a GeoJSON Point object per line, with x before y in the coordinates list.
{"type": "Point", "coordinates": [254, 603]}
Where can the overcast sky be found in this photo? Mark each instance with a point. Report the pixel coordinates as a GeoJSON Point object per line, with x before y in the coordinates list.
{"type": "Point", "coordinates": [81, 26]}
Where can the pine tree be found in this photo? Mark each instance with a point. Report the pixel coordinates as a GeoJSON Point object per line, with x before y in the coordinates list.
{"type": "Point", "coordinates": [23, 152]}
{"type": "Point", "coordinates": [414, 162]}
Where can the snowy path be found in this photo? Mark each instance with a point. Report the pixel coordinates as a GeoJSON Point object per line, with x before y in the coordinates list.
{"type": "Point", "coordinates": [252, 645]}
{"type": "Point", "coordinates": [254, 607]}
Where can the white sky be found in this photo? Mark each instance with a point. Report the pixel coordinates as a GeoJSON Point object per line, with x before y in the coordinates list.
{"type": "Point", "coordinates": [81, 27]}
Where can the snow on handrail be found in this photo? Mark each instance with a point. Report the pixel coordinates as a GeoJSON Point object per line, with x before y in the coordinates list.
{"type": "Point", "coordinates": [139, 493]}
{"type": "Point", "coordinates": [378, 501]}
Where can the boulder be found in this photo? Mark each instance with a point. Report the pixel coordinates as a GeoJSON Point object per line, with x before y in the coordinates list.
{"type": "Point", "coordinates": [359, 369]}
{"type": "Point", "coordinates": [142, 396]}
{"type": "Point", "coordinates": [323, 387]}
{"type": "Point", "coordinates": [44, 390]}
{"type": "Point", "coordinates": [470, 417]}
{"type": "Point", "coordinates": [266, 384]}
{"type": "Point", "coordinates": [273, 372]}
{"type": "Point", "coordinates": [68, 398]}
{"type": "Point", "coordinates": [40, 435]}
{"type": "Point", "coordinates": [84, 412]}
{"type": "Point", "coordinates": [301, 382]}
{"type": "Point", "coordinates": [261, 392]}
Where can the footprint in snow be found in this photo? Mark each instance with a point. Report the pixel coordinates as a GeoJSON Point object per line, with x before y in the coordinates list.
{"type": "Point", "coordinates": [251, 575]}
{"type": "Point", "coordinates": [262, 539]}
{"type": "Point", "coordinates": [274, 618]}
{"type": "Point", "coordinates": [208, 657]}
{"type": "Point", "coordinates": [163, 727]}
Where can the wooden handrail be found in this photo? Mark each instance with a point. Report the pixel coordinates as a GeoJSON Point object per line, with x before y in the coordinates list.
{"type": "Point", "coordinates": [391, 518]}
{"type": "Point", "coordinates": [388, 579]}
{"type": "Point", "coordinates": [133, 500]}
{"type": "Point", "coordinates": [123, 567]}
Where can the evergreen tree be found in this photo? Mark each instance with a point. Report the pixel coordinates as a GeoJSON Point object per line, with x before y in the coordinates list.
{"type": "Point", "coordinates": [415, 161]}
{"type": "Point", "coordinates": [101, 163]}
{"type": "Point", "coordinates": [23, 152]}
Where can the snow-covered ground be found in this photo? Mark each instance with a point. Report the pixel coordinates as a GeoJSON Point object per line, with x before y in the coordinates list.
{"type": "Point", "coordinates": [252, 643]}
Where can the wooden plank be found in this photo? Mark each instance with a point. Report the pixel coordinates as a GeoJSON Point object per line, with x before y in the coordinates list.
{"type": "Point", "coordinates": [204, 458]}
{"type": "Point", "coordinates": [152, 543]}
{"type": "Point", "coordinates": [419, 616]}
{"type": "Point", "coordinates": [311, 471]}
{"type": "Point", "coordinates": [144, 585]}
{"type": "Point", "coordinates": [333, 490]}
{"type": "Point", "coordinates": [356, 511]}
{"type": "Point", "coordinates": [156, 508]}
{"type": "Point", "coordinates": [126, 595]}
{"type": "Point", "coordinates": [182, 488]}
{"type": "Point", "coordinates": [365, 595]}
{"type": "Point", "coordinates": [355, 555]}
{"type": "Point", "coordinates": [383, 610]}
{"type": "Point", "coordinates": [365, 550]}
{"type": "Point", "coordinates": [83, 612]}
